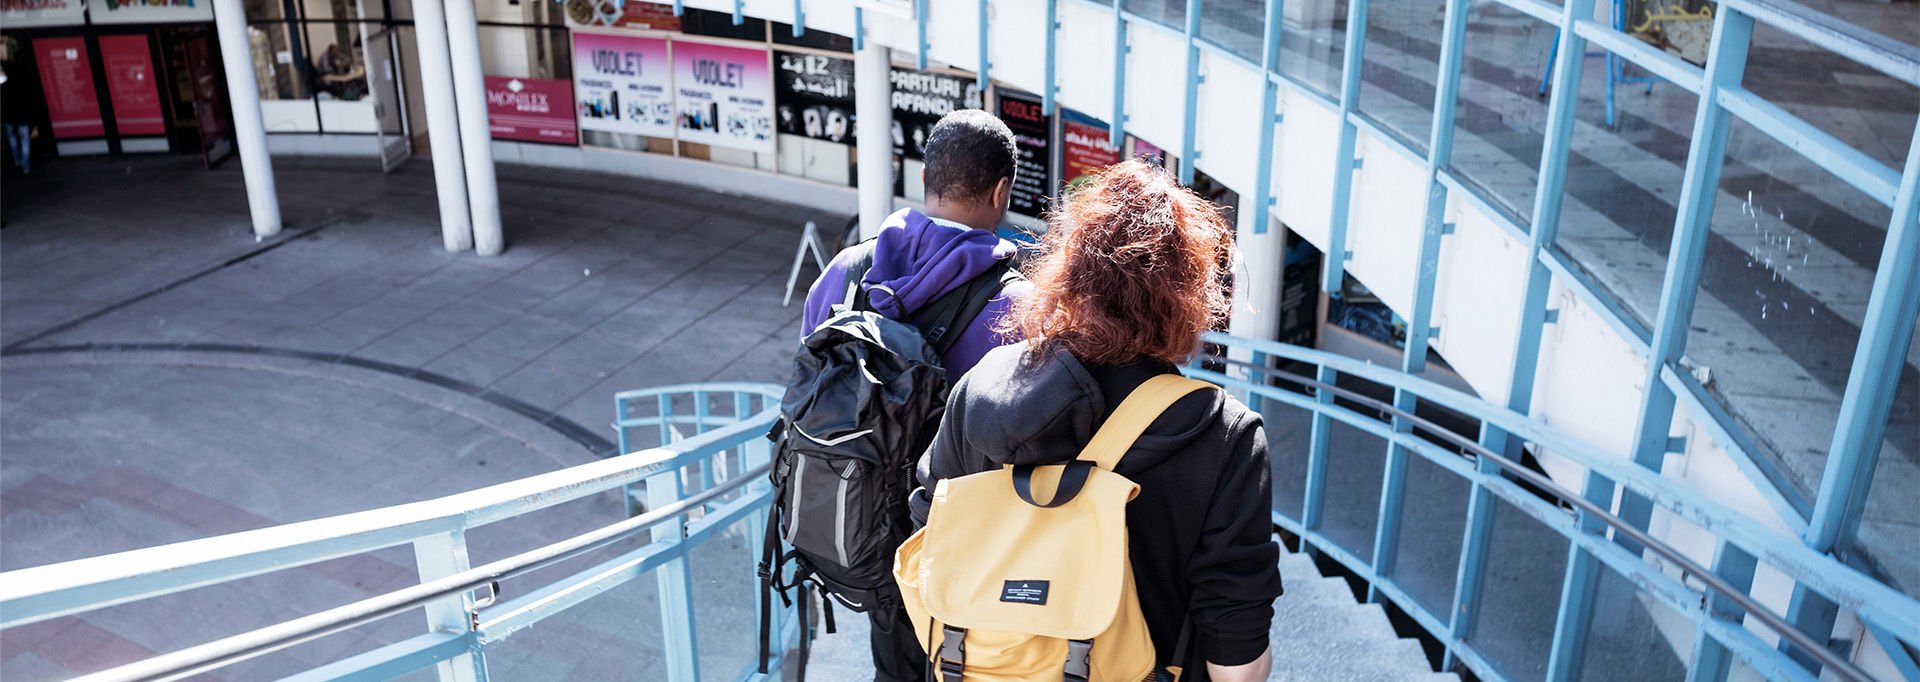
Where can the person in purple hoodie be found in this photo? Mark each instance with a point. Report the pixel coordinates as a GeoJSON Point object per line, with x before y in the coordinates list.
{"type": "Point", "coordinates": [918, 256]}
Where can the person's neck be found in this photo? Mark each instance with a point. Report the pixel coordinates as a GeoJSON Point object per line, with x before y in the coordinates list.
{"type": "Point", "coordinates": [970, 214]}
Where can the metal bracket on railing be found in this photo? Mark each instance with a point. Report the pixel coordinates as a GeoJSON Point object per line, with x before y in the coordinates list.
{"type": "Point", "coordinates": [493, 595]}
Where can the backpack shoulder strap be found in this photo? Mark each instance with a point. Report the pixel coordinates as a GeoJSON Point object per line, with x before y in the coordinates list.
{"type": "Point", "coordinates": [945, 319]}
{"type": "Point", "coordinates": [1134, 415]}
{"type": "Point", "coordinates": [855, 297]}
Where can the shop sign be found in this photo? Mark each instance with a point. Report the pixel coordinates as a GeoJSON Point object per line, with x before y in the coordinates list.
{"type": "Point", "coordinates": [631, 14]}
{"type": "Point", "coordinates": [813, 95]}
{"type": "Point", "coordinates": [1033, 161]}
{"type": "Point", "coordinates": [151, 11]}
{"type": "Point", "coordinates": [30, 13]}
{"type": "Point", "coordinates": [1083, 146]}
{"type": "Point", "coordinates": [920, 98]}
{"type": "Point", "coordinates": [622, 84]}
{"type": "Point", "coordinates": [130, 85]}
{"type": "Point", "coordinates": [530, 109]}
{"type": "Point", "coordinates": [723, 96]}
{"type": "Point", "coordinates": [66, 77]}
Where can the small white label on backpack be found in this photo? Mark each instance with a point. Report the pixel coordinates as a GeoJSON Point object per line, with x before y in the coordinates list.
{"type": "Point", "coordinates": [1025, 592]}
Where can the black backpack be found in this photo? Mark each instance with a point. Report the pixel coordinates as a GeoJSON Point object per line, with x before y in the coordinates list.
{"type": "Point", "coordinates": [866, 395]}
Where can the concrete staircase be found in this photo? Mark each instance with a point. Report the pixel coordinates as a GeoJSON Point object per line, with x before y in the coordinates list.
{"type": "Point", "coordinates": [1319, 633]}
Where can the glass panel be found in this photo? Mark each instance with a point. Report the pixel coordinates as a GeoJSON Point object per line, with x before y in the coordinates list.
{"type": "Point", "coordinates": [1402, 61]}
{"type": "Point", "coordinates": [1623, 185]}
{"type": "Point", "coordinates": [1632, 638]}
{"type": "Point", "coordinates": [613, 636]}
{"type": "Point", "coordinates": [277, 62]}
{"type": "Point", "coordinates": [1498, 128]}
{"type": "Point", "coordinates": [1864, 108]}
{"type": "Point", "coordinates": [1520, 595]}
{"type": "Point", "coordinates": [724, 586]}
{"type": "Point", "coordinates": [1170, 12]}
{"type": "Point", "coordinates": [1289, 432]}
{"type": "Point", "coordinates": [1314, 43]}
{"type": "Point", "coordinates": [1355, 462]}
{"type": "Point", "coordinates": [1432, 520]}
{"type": "Point", "coordinates": [338, 62]}
{"type": "Point", "coordinates": [1237, 25]}
{"type": "Point", "coordinates": [1888, 532]}
{"type": "Point", "coordinates": [1789, 264]}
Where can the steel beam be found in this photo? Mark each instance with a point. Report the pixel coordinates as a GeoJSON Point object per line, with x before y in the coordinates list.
{"type": "Point", "coordinates": [1116, 133]}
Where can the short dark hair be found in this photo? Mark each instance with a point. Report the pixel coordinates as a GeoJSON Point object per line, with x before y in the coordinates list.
{"type": "Point", "coordinates": [968, 152]}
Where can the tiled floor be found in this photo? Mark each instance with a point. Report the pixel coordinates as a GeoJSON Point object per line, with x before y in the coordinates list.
{"type": "Point", "coordinates": [167, 377]}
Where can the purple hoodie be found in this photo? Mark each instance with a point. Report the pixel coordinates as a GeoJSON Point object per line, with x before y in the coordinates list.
{"type": "Point", "coordinates": [917, 258]}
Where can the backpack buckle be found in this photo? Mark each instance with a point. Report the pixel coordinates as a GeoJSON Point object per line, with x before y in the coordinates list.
{"type": "Point", "coordinates": [953, 653]}
{"type": "Point", "coordinates": [1079, 660]}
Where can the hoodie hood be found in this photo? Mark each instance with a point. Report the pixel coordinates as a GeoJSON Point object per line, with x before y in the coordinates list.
{"type": "Point", "coordinates": [1018, 407]}
{"type": "Point", "coordinates": [916, 259]}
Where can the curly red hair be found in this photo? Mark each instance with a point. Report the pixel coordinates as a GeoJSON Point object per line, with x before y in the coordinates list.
{"type": "Point", "coordinates": [1132, 265]}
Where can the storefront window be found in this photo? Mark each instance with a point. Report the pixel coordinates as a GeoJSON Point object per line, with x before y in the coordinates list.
{"type": "Point", "coordinates": [311, 63]}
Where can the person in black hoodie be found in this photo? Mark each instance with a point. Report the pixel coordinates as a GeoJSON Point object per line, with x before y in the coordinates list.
{"type": "Point", "coordinates": [1128, 280]}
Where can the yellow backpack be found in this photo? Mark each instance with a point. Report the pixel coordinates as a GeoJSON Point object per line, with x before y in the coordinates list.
{"type": "Point", "coordinates": [1005, 587]}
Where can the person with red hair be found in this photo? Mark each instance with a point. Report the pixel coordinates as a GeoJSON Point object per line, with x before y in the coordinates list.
{"type": "Point", "coordinates": [1128, 278]}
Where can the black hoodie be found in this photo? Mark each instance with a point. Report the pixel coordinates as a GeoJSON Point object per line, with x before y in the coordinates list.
{"type": "Point", "coordinates": [1202, 526]}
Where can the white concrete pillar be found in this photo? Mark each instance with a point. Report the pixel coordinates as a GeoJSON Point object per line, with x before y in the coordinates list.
{"type": "Point", "coordinates": [1256, 278]}
{"type": "Point", "coordinates": [873, 134]}
{"type": "Point", "coordinates": [443, 125]}
{"type": "Point", "coordinates": [249, 130]}
{"type": "Point", "coordinates": [476, 142]}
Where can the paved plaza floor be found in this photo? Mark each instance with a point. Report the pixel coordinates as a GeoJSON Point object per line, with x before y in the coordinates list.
{"type": "Point", "coordinates": [168, 377]}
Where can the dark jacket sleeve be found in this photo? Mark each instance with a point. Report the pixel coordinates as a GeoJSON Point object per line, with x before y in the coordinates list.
{"type": "Point", "coordinates": [1234, 571]}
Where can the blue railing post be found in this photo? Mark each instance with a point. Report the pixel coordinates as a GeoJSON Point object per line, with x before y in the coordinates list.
{"type": "Point", "coordinates": [1334, 271]}
{"type": "Point", "coordinates": [984, 74]}
{"type": "Point", "coordinates": [438, 556]}
{"type": "Point", "coordinates": [675, 581]}
{"type": "Point", "coordinates": [701, 413]}
{"type": "Point", "coordinates": [1269, 104]}
{"type": "Point", "coordinates": [1393, 483]}
{"type": "Point", "coordinates": [1051, 86]}
{"type": "Point", "coordinates": [920, 41]}
{"type": "Point", "coordinates": [1189, 149]}
{"type": "Point", "coordinates": [1711, 661]}
{"type": "Point", "coordinates": [628, 494]}
{"type": "Point", "coordinates": [1117, 131]}
{"type": "Point", "coordinates": [1868, 401]}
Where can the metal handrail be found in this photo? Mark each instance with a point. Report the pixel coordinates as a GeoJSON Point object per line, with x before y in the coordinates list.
{"type": "Point", "coordinates": [1739, 597]}
{"type": "Point", "coordinates": [219, 653]}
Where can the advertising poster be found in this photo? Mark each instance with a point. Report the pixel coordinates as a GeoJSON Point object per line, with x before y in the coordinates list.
{"type": "Point", "coordinates": [530, 110]}
{"type": "Point", "coordinates": [66, 76]}
{"type": "Point", "coordinates": [130, 85]}
{"type": "Point", "coordinates": [723, 96]}
{"type": "Point", "coordinates": [1149, 152]}
{"type": "Point", "coordinates": [632, 14]}
{"type": "Point", "coordinates": [920, 98]}
{"type": "Point", "coordinates": [1083, 146]}
{"type": "Point", "coordinates": [1032, 137]}
{"type": "Point", "coordinates": [813, 96]}
{"type": "Point", "coordinates": [622, 84]}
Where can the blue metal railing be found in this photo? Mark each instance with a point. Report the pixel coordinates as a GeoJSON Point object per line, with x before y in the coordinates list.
{"type": "Point", "coordinates": [1714, 597]}
{"type": "Point", "coordinates": [706, 477]}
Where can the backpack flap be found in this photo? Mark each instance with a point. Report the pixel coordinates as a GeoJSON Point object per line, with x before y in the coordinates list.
{"type": "Point", "coordinates": [996, 562]}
